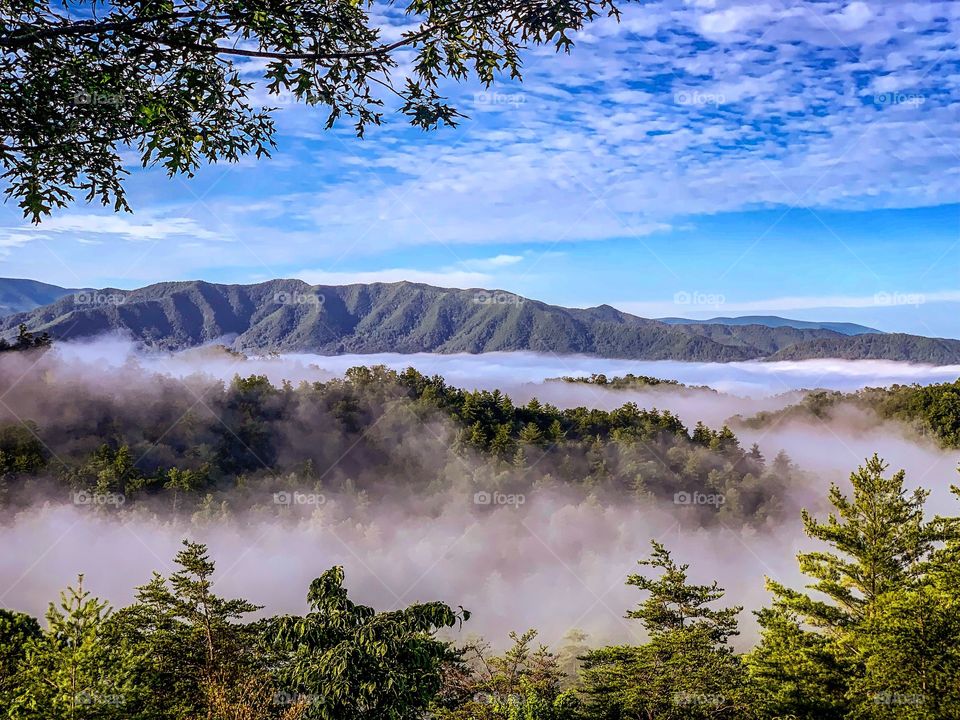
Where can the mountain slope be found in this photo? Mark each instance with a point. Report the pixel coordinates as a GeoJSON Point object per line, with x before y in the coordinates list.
{"type": "Point", "coordinates": [889, 346]}
{"type": "Point", "coordinates": [21, 295]}
{"type": "Point", "coordinates": [291, 316]}
{"type": "Point", "coordinates": [844, 328]}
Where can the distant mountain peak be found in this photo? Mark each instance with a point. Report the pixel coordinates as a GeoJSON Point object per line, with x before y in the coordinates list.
{"type": "Point", "coordinates": [21, 294]}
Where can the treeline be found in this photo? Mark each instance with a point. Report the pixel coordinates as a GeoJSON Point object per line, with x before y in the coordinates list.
{"type": "Point", "coordinates": [189, 445]}
{"type": "Point", "coordinates": [26, 341]}
{"type": "Point", "coordinates": [874, 635]}
{"type": "Point", "coordinates": [629, 381]}
{"type": "Point", "coordinates": [931, 410]}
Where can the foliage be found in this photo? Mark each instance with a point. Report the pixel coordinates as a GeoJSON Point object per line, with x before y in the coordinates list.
{"type": "Point", "coordinates": [875, 636]}
{"type": "Point", "coordinates": [81, 81]}
{"type": "Point", "coordinates": [630, 381]}
{"type": "Point", "coordinates": [932, 410]}
{"type": "Point", "coordinates": [839, 651]}
{"type": "Point", "coordinates": [522, 684]}
{"type": "Point", "coordinates": [26, 340]}
{"type": "Point", "coordinates": [687, 669]}
{"type": "Point", "coordinates": [72, 670]}
{"type": "Point", "coordinates": [250, 439]}
{"type": "Point", "coordinates": [352, 663]}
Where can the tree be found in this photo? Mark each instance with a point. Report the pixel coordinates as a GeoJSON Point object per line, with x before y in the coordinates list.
{"type": "Point", "coordinates": [72, 671]}
{"type": "Point", "coordinates": [26, 340]}
{"type": "Point", "coordinates": [522, 684]}
{"type": "Point", "coordinates": [911, 651]}
{"type": "Point", "coordinates": [199, 653]}
{"type": "Point", "coordinates": [81, 81]}
{"type": "Point", "coordinates": [351, 662]}
{"type": "Point", "coordinates": [820, 651]}
{"type": "Point", "coordinates": [879, 540]}
{"type": "Point", "coordinates": [687, 670]}
{"type": "Point", "coordinates": [911, 643]}
{"type": "Point", "coordinates": [17, 630]}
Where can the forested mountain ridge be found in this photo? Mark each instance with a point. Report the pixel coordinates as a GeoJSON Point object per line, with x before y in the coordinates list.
{"type": "Point", "coordinates": [250, 439]}
{"type": "Point", "coordinates": [292, 316]}
{"type": "Point", "coordinates": [22, 295]}
{"type": "Point", "coordinates": [844, 328]}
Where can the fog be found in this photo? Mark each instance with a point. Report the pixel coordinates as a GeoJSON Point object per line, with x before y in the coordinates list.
{"type": "Point", "coordinates": [555, 562]}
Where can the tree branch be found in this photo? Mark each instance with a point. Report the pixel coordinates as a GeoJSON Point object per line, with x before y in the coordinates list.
{"type": "Point", "coordinates": [14, 41]}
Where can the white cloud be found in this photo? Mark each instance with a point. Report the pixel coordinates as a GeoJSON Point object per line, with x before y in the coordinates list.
{"type": "Point", "coordinates": [731, 19]}
{"type": "Point", "coordinates": [779, 110]}
{"type": "Point", "coordinates": [126, 227]}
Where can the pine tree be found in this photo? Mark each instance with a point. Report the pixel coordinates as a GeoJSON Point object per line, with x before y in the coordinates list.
{"type": "Point", "coordinates": [197, 647]}
{"type": "Point", "coordinates": [879, 540]}
{"type": "Point", "coordinates": [675, 605]}
{"type": "Point", "coordinates": [819, 646]}
{"type": "Point", "coordinates": [687, 670]}
{"type": "Point", "coordinates": [72, 671]}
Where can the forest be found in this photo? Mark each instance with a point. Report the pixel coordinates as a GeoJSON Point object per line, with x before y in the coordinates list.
{"type": "Point", "coordinates": [874, 634]}
{"type": "Point", "coordinates": [209, 446]}
{"type": "Point", "coordinates": [930, 410]}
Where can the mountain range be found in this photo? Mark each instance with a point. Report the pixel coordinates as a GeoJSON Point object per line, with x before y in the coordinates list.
{"type": "Point", "coordinates": [20, 295]}
{"type": "Point", "coordinates": [404, 317]}
{"type": "Point", "coordinates": [844, 328]}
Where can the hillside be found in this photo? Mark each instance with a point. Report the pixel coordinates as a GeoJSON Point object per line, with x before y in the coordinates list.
{"type": "Point", "coordinates": [292, 316]}
{"type": "Point", "coordinates": [20, 295]}
{"type": "Point", "coordinates": [844, 328]}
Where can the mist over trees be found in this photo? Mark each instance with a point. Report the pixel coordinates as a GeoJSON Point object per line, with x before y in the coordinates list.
{"type": "Point", "coordinates": [875, 634]}
{"type": "Point", "coordinates": [209, 447]}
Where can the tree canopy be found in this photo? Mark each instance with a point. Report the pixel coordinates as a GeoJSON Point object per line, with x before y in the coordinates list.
{"type": "Point", "coordinates": [875, 636]}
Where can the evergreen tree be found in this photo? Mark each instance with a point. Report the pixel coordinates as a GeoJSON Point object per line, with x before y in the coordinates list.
{"type": "Point", "coordinates": [197, 648]}
{"type": "Point", "coordinates": [687, 670]}
{"type": "Point", "coordinates": [72, 671]}
{"type": "Point", "coordinates": [17, 630]}
{"type": "Point", "coordinates": [880, 547]}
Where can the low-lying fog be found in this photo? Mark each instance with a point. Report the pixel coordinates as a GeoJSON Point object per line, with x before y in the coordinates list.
{"type": "Point", "coordinates": [551, 563]}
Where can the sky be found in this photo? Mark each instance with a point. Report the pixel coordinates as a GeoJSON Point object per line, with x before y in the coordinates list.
{"type": "Point", "coordinates": [701, 158]}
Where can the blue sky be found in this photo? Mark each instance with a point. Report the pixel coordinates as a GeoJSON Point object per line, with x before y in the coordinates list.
{"type": "Point", "coordinates": [701, 158]}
